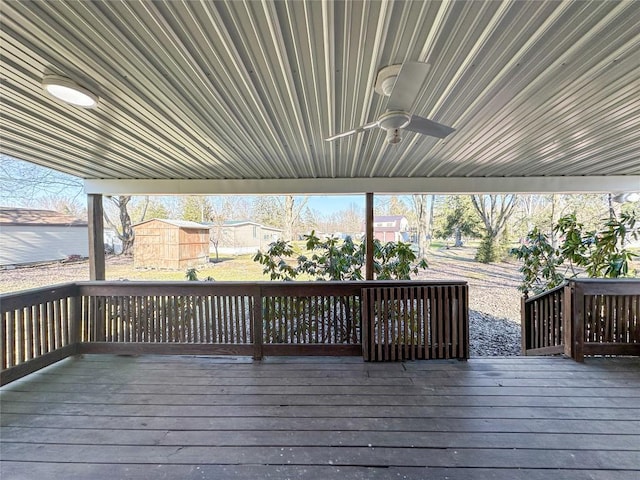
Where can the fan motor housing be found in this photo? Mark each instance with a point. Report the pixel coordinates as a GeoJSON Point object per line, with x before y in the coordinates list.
{"type": "Point", "coordinates": [394, 120]}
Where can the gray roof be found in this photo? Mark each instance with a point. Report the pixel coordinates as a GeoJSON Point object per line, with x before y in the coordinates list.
{"type": "Point", "coordinates": [31, 216]}
{"type": "Point", "coordinates": [246, 92]}
{"type": "Point", "coordinates": [239, 223]}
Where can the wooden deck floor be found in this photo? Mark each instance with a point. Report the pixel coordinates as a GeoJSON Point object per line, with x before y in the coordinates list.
{"type": "Point", "coordinates": [151, 417]}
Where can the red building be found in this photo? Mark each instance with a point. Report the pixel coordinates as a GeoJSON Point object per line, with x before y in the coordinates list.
{"type": "Point", "coordinates": [391, 228]}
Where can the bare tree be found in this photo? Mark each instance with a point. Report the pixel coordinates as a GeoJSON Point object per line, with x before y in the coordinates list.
{"type": "Point", "coordinates": [390, 205]}
{"type": "Point", "coordinates": [423, 222]}
{"type": "Point", "coordinates": [28, 184]}
{"type": "Point", "coordinates": [219, 210]}
{"type": "Point", "coordinates": [292, 216]}
{"type": "Point", "coordinates": [495, 211]}
{"type": "Point", "coordinates": [64, 204]}
{"type": "Point", "coordinates": [125, 230]}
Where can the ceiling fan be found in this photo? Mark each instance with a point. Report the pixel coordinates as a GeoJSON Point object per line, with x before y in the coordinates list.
{"type": "Point", "coordinates": [402, 83]}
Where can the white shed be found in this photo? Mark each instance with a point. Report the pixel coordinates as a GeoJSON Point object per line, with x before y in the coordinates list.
{"type": "Point", "coordinates": [32, 236]}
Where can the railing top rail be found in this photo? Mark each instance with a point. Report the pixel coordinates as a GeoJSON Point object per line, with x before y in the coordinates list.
{"type": "Point", "coordinates": [607, 286]}
{"type": "Point", "coordinates": [111, 288]}
{"type": "Point", "coordinates": [266, 283]}
{"type": "Point", "coordinates": [29, 291]}
{"type": "Point", "coordinates": [24, 298]}
{"type": "Point", "coordinates": [605, 280]}
{"type": "Point", "coordinates": [309, 288]}
{"type": "Point", "coordinates": [596, 286]}
{"type": "Point", "coordinates": [545, 293]}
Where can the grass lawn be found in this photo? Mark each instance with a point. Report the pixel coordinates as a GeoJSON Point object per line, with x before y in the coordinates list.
{"type": "Point", "coordinates": [238, 268]}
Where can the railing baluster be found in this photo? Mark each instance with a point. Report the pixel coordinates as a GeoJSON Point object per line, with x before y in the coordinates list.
{"type": "Point", "coordinates": [11, 342]}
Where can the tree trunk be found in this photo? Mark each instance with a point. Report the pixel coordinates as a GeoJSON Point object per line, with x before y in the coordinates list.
{"type": "Point", "coordinates": [144, 209]}
{"type": "Point", "coordinates": [423, 220]}
{"type": "Point", "coordinates": [127, 229]}
{"type": "Point", "coordinates": [554, 219]}
{"type": "Point", "coordinates": [495, 211]}
{"type": "Point", "coordinates": [458, 238]}
{"type": "Point", "coordinates": [430, 224]}
{"type": "Point", "coordinates": [612, 210]}
{"type": "Point", "coordinates": [289, 218]}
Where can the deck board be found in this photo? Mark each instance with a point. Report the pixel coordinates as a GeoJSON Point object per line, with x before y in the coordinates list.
{"type": "Point", "coordinates": [104, 416]}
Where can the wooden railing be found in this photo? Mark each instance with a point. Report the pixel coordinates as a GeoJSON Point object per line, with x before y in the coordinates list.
{"type": "Point", "coordinates": [37, 328]}
{"type": "Point", "coordinates": [42, 326]}
{"type": "Point", "coordinates": [542, 321]}
{"type": "Point", "coordinates": [311, 318]}
{"type": "Point", "coordinates": [415, 322]}
{"type": "Point", "coordinates": [191, 318]}
{"type": "Point", "coordinates": [584, 317]}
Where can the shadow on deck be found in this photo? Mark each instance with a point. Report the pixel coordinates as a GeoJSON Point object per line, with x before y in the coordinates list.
{"type": "Point", "coordinates": [191, 417]}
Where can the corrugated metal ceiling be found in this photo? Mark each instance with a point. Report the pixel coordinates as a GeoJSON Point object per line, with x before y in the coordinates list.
{"type": "Point", "coordinates": [249, 90]}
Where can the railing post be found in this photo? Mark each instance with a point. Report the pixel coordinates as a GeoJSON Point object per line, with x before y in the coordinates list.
{"type": "Point", "coordinates": [524, 323]}
{"type": "Point", "coordinates": [578, 322]}
{"type": "Point", "coordinates": [567, 321]}
{"type": "Point", "coordinates": [75, 319]}
{"type": "Point", "coordinates": [257, 324]}
{"type": "Point", "coordinates": [365, 324]}
{"type": "Point", "coordinates": [467, 343]}
{"type": "Point", "coordinates": [369, 234]}
{"type": "Point", "coordinates": [95, 212]}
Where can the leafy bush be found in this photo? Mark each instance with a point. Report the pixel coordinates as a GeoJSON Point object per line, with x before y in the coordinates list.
{"type": "Point", "coordinates": [334, 259]}
{"type": "Point", "coordinates": [192, 275]}
{"type": "Point", "coordinates": [599, 253]}
{"type": "Point", "coordinates": [540, 263]}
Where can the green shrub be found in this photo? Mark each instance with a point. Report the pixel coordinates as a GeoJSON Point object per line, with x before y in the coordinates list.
{"type": "Point", "coordinates": [599, 253]}
{"type": "Point", "coordinates": [335, 259]}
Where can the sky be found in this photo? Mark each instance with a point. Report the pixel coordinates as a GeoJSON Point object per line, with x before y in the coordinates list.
{"type": "Point", "coordinates": [334, 203]}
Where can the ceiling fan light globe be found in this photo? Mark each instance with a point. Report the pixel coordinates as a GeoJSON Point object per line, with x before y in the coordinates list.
{"type": "Point", "coordinates": [393, 136]}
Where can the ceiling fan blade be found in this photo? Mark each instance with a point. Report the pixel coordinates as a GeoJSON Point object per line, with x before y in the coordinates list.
{"type": "Point", "coordinates": [428, 127]}
{"type": "Point", "coordinates": [408, 86]}
{"type": "Point", "coordinates": [351, 132]}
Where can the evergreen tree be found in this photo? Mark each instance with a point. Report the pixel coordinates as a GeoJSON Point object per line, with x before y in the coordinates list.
{"type": "Point", "coordinates": [459, 219]}
{"type": "Point", "coordinates": [195, 209]}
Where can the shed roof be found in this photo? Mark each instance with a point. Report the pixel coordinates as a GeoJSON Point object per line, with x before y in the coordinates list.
{"type": "Point", "coordinates": [176, 223]}
{"type": "Point", "coordinates": [238, 96]}
{"type": "Point", "coordinates": [384, 219]}
{"type": "Point", "coordinates": [29, 216]}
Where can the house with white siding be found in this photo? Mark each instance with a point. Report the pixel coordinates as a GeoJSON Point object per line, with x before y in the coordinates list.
{"type": "Point", "coordinates": [32, 236]}
{"type": "Point", "coordinates": [238, 237]}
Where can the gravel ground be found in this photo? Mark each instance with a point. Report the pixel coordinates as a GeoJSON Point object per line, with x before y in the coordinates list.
{"type": "Point", "coordinates": [494, 299]}
{"type": "Point", "coordinates": [491, 336]}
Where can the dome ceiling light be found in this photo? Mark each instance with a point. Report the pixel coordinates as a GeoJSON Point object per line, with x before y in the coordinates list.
{"type": "Point", "coordinates": [68, 91]}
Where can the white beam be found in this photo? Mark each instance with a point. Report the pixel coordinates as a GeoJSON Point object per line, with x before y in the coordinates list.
{"type": "Point", "coordinates": [327, 186]}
